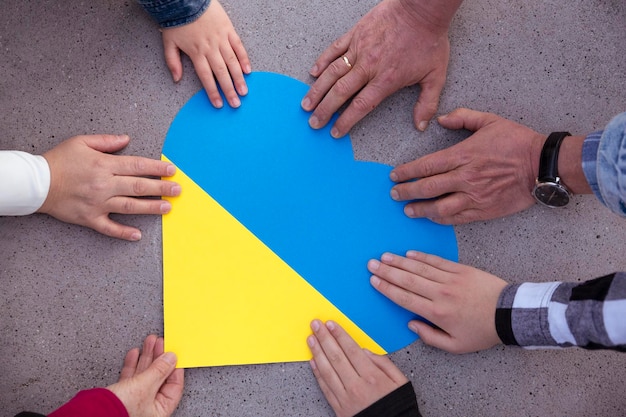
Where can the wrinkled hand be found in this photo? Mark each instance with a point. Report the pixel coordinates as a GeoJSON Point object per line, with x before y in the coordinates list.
{"type": "Point", "coordinates": [87, 184]}
{"type": "Point", "coordinates": [149, 384]}
{"type": "Point", "coordinates": [391, 47]}
{"type": "Point", "coordinates": [215, 49]}
{"type": "Point", "coordinates": [458, 299]}
{"type": "Point", "coordinates": [491, 174]}
{"type": "Point", "coordinates": [351, 378]}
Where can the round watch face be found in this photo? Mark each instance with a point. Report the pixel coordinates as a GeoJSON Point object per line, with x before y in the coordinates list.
{"type": "Point", "coordinates": [551, 194]}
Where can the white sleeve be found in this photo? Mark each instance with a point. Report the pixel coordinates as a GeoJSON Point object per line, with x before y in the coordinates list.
{"type": "Point", "coordinates": [24, 182]}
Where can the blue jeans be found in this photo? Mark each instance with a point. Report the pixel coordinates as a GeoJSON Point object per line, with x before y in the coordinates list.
{"type": "Point", "coordinates": [604, 164]}
{"type": "Point", "coordinates": [171, 13]}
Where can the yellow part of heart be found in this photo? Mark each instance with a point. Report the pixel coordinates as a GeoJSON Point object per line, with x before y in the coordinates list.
{"type": "Point", "coordinates": [228, 298]}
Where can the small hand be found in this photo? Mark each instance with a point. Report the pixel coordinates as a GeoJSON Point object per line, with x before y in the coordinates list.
{"type": "Point", "coordinates": [391, 47]}
{"type": "Point", "coordinates": [458, 299]}
{"type": "Point", "coordinates": [216, 52]}
{"type": "Point", "coordinates": [351, 378]}
{"type": "Point", "coordinates": [87, 184]}
{"type": "Point", "coordinates": [149, 384]}
{"type": "Point", "coordinates": [491, 174]}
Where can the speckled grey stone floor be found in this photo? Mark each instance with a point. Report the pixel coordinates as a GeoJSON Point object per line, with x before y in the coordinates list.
{"type": "Point", "coordinates": [73, 301]}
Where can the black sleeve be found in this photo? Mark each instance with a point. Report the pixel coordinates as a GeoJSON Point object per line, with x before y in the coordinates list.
{"type": "Point", "coordinates": [29, 414]}
{"type": "Point", "coordinates": [399, 403]}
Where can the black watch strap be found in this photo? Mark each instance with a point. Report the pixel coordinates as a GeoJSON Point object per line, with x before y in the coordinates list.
{"type": "Point", "coordinates": [549, 160]}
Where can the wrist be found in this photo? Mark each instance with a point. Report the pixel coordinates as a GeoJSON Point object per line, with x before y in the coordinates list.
{"type": "Point", "coordinates": [571, 166]}
{"type": "Point", "coordinates": [432, 14]}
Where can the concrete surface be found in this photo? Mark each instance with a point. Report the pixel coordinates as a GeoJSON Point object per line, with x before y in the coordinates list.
{"type": "Point", "coordinates": [73, 301]}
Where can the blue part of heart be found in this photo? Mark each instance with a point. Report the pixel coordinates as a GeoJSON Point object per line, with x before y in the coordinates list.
{"type": "Point", "coordinates": [302, 193]}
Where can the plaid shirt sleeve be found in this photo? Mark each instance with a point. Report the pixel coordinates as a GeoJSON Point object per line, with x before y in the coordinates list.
{"type": "Point", "coordinates": [590, 315]}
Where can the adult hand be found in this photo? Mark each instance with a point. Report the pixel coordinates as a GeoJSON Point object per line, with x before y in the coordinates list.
{"type": "Point", "coordinates": [397, 44]}
{"type": "Point", "coordinates": [149, 384]}
{"type": "Point", "coordinates": [351, 378]}
{"type": "Point", "coordinates": [87, 184]}
{"type": "Point", "coordinates": [216, 52]}
{"type": "Point", "coordinates": [491, 174]}
{"type": "Point", "coordinates": [458, 299]}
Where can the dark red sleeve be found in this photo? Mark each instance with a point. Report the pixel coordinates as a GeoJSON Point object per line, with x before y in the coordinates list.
{"type": "Point", "coordinates": [97, 402]}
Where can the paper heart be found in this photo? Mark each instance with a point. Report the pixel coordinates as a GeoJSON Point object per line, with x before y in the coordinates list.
{"type": "Point", "coordinates": [274, 228]}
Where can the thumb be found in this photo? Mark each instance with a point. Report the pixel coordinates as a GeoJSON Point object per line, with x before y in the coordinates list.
{"type": "Point", "coordinates": [106, 143]}
{"type": "Point", "coordinates": [427, 104]}
{"type": "Point", "coordinates": [433, 337]}
{"type": "Point", "coordinates": [466, 119]}
{"type": "Point", "coordinates": [172, 59]}
{"type": "Point", "coordinates": [158, 371]}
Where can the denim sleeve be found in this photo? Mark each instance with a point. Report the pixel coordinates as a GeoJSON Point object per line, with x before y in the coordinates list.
{"type": "Point", "coordinates": [171, 13]}
{"type": "Point", "coordinates": [604, 164]}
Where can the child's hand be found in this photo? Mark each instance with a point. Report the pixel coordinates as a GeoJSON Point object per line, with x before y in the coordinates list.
{"type": "Point", "coordinates": [216, 52]}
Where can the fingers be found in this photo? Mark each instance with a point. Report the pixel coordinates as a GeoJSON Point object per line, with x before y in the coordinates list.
{"type": "Point", "coordinates": [334, 71]}
{"type": "Point", "coordinates": [147, 353]}
{"type": "Point", "coordinates": [324, 371]}
{"type": "Point", "coordinates": [334, 51]}
{"type": "Point", "coordinates": [144, 187]}
{"type": "Point", "coordinates": [463, 118]}
{"type": "Point", "coordinates": [130, 364]}
{"type": "Point", "coordinates": [452, 209]}
{"type": "Point", "coordinates": [241, 63]}
{"type": "Point", "coordinates": [341, 90]}
{"type": "Point", "coordinates": [333, 356]}
{"type": "Point", "coordinates": [427, 166]}
{"type": "Point", "coordinates": [364, 102]}
{"type": "Point", "coordinates": [140, 166]}
{"type": "Point", "coordinates": [205, 73]}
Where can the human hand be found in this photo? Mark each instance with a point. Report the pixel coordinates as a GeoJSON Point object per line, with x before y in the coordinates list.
{"type": "Point", "coordinates": [351, 378]}
{"type": "Point", "coordinates": [87, 184]}
{"type": "Point", "coordinates": [458, 299]}
{"type": "Point", "coordinates": [490, 174]}
{"type": "Point", "coordinates": [149, 384]}
{"type": "Point", "coordinates": [215, 49]}
{"type": "Point", "coordinates": [396, 44]}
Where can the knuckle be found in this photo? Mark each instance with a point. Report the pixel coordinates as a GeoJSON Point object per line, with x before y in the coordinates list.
{"type": "Point", "coordinates": [139, 188]}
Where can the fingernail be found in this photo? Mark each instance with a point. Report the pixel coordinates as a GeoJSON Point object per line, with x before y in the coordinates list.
{"type": "Point", "coordinates": [387, 257]}
{"type": "Point", "coordinates": [170, 357]}
{"type": "Point", "coordinates": [375, 281]}
{"type": "Point", "coordinates": [247, 69]}
{"type": "Point", "coordinates": [165, 207]}
{"type": "Point", "coordinates": [373, 265]}
{"type": "Point", "coordinates": [310, 341]}
{"type": "Point", "coordinates": [394, 194]}
{"type": "Point", "coordinates": [219, 104]}
{"type": "Point", "coordinates": [393, 176]}
{"type": "Point", "coordinates": [171, 170]}
{"type": "Point", "coordinates": [314, 122]}
{"type": "Point", "coordinates": [443, 116]}
{"type": "Point", "coordinates": [412, 327]}
{"type": "Point", "coordinates": [176, 190]}
{"type": "Point", "coordinates": [422, 125]}
{"type": "Point", "coordinates": [315, 325]}
{"type": "Point", "coordinates": [334, 132]}
{"type": "Point", "coordinates": [408, 210]}
{"type": "Point", "coordinates": [235, 102]}
{"type": "Point", "coordinates": [306, 104]}
{"type": "Point", "coordinates": [313, 364]}
{"type": "Point", "coordinates": [331, 325]}
{"type": "Point", "coordinates": [244, 89]}
{"type": "Point", "coordinates": [313, 70]}
{"type": "Point", "coordinates": [411, 253]}
{"type": "Point", "coordinates": [135, 236]}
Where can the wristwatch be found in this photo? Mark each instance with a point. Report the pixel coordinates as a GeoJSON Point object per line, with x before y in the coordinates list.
{"type": "Point", "coordinates": [549, 190]}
